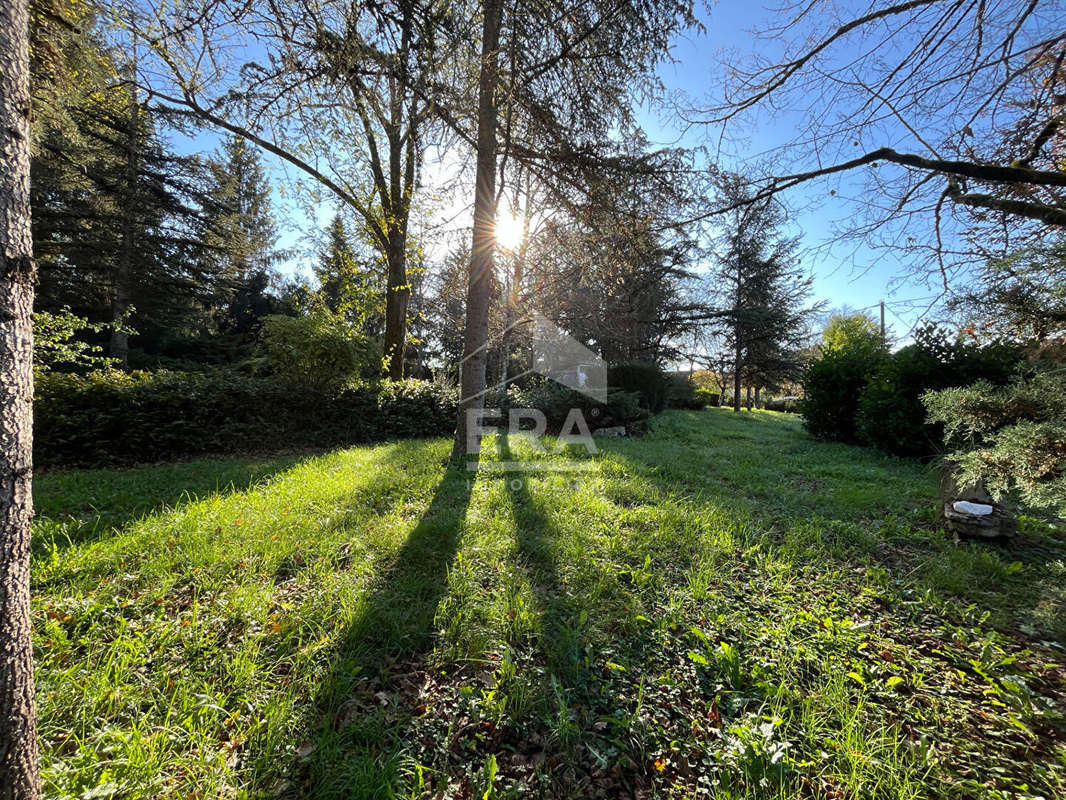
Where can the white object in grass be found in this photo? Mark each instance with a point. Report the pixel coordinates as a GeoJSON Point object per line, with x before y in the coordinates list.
{"type": "Point", "coordinates": [974, 509]}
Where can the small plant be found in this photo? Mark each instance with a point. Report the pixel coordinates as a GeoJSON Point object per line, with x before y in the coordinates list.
{"type": "Point", "coordinates": [57, 342]}
{"type": "Point", "coordinates": [317, 349]}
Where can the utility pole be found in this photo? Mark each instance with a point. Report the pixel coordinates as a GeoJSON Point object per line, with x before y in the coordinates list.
{"type": "Point", "coordinates": [884, 342]}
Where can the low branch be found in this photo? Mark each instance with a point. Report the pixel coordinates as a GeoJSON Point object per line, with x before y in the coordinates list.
{"type": "Point", "coordinates": [994, 173]}
{"type": "Point", "coordinates": [1052, 215]}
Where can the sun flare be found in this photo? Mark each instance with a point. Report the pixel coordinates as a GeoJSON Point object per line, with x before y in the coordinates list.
{"type": "Point", "coordinates": [509, 231]}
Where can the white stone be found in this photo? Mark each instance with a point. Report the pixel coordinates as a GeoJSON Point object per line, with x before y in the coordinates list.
{"type": "Point", "coordinates": [973, 509]}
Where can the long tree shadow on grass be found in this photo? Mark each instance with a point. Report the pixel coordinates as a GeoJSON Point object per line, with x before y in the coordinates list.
{"type": "Point", "coordinates": [363, 706]}
{"type": "Point", "coordinates": [560, 617]}
{"type": "Point", "coordinates": [578, 703]}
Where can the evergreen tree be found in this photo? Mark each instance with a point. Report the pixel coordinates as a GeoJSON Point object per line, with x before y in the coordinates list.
{"type": "Point", "coordinates": [241, 246]}
{"type": "Point", "coordinates": [116, 221]}
{"type": "Point", "coordinates": [244, 231]}
{"type": "Point", "coordinates": [762, 294]}
{"type": "Point", "coordinates": [347, 285]}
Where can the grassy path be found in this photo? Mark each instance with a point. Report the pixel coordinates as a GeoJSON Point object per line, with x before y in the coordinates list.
{"type": "Point", "coordinates": [722, 608]}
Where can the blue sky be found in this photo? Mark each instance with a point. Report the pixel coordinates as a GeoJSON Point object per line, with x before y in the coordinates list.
{"type": "Point", "coordinates": [855, 276]}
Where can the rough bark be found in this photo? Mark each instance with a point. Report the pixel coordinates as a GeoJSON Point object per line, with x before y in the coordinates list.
{"type": "Point", "coordinates": [18, 728]}
{"type": "Point", "coordinates": [399, 295]}
{"type": "Point", "coordinates": [479, 271]}
{"type": "Point", "coordinates": [737, 364]}
{"type": "Point", "coordinates": [738, 340]}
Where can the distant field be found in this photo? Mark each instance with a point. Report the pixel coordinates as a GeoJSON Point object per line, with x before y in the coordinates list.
{"type": "Point", "coordinates": [724, 607]}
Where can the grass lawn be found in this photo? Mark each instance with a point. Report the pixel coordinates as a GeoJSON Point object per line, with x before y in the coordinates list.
{"type": "Point", "coordinates": [724, 607]}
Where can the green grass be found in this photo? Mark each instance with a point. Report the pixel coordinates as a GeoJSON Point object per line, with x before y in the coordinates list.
{"type": "Point", "coordinates": [724, 607]}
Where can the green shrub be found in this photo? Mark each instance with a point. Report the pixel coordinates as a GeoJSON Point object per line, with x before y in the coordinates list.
{"type": "Point", "coordinates": [58, 342]}
{"type": "Point", "coordinates": [683, 393]}
{"type": "Point", "coordinates": [788, 405]}
{"type": "Point", "coordinates": [833, 386]}
{"type": "Point", "coordinates": [648, 381]}
{"type": "Point", "coordinates": [318, 349]}
{"type": "Point", "coordinates": [556, 401]}
{"type": "Point", "coordinates": [707, 397]}
{"type": "Point", "coordinates": [1011, 437]}
{"type": "Point", "coordinates": [891, 416]}
{"type": "Point", "coordinates": [860, 394]}
{"type": "Point", "coordinates": [118, 418]}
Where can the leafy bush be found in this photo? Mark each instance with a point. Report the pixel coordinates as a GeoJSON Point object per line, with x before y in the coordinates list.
{"type": "Point", "coordinates": [891, 416]}
{"type": "Point", "coordinates": [786, 404]}
{"type": "Point", "coordinates": [857, 393]}
{"type": "Point", "coordinates": [832, 391]}
{"type": "Point", "coordinates": [1011, 437]}
{"type": "Point", "coordinates": [56, 342]}
{"type": "Point", "coordinates": [556, 401]}
{"type": "Point", "coordinates": [318, 349]}
{"type": "Point", "coordinates": [648, 381]}
{"type": "Point", "coordinates": [707, 397]}
{"type": "Point", "coordinates": [683, 393]}
{"type": "Point", "coordinates": [118, 418]}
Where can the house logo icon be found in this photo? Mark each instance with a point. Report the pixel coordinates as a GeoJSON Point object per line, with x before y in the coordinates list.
{"type": "Point", "coordinates": [561, 357]}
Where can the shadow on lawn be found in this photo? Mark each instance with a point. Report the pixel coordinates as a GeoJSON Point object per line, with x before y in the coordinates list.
{"type": "Point", "coordinates": [78, 506]}
{"type": "Point", "coordinates": [364, 704]}
{"type": "Point", "coordinates": [574, 693]}
{"type": "Point", "coordinates": [560, 633]}
{"type": "Point", "coordinates": [854, 505]}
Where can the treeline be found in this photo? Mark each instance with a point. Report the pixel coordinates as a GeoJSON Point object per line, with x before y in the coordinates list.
{"type": "Point", "coordinates": [174, 253]}
{"type": "Point", "coordinates": [172, 259]}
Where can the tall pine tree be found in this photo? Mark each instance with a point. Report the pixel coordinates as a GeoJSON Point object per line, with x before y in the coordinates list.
{"type": "Point", "coordinates": [116, 217]}
{"type": "Point", "coordinates": [241, 245]}
{"type": "Point", "coordinates": [761, 310]}
{"type": "Point", "coordinates": [347, 284]}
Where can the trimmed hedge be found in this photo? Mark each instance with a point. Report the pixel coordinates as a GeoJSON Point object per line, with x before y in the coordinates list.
{"type": "Point", "coordinates": [833, 386]}
{"type": "Point", "coordinates": [788, 405]}
{"type": "Point", "coordinates": [117, 418]}
{"type": "Point", "coordinates": [556, 400]}
{"type": "Point", "coordinates": [891, 415]}
{"type": "Point", "coordinates": [655, 388]}
{"type": "Point", "coordinates": [708, 397]}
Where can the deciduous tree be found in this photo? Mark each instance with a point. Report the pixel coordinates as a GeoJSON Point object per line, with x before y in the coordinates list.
{"type": "Point", "coordinates": [18, 724]}
{"type": "Point", "coordinates": [952, 111]}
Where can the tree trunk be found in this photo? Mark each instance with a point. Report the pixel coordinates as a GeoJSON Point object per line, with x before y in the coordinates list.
{"type": "Point", "coordinates": [18, 723]}
{"type": "Point", "coordinates": [120, 344]}
{"type": "Point", "coordinates": [119, 348]}
{"type": "Point", "coordinates": [748, 397]}
{"type": "Point", "coordinates": [738, 363]}
{"type": "Point", "coordinates": [396, 301]}
{"type": "Point", "coordinates": [479, 272]}
{"type": "Point", "coordinates": [738, 337]}
{"type": "Point", "coordinates": [758, 391]}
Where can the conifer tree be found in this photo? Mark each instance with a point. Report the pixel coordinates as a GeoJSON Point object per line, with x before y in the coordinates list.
{"type": "Point", "coordinates": [347, 286]}
{"type": "Point", "coordinates": [241, 244]}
